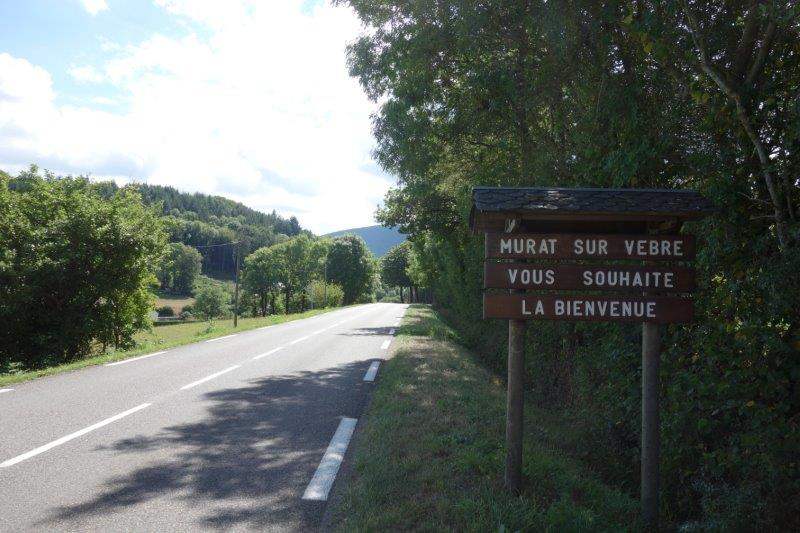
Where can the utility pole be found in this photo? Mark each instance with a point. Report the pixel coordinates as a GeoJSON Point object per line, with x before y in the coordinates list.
{"type": "Point", "coordinates": [236, 288]}
{"type": "Point", "coordinates": [325, 286]}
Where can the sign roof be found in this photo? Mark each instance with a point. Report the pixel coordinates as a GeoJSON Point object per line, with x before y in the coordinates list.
{"type": "Point", "coordinates": [534, 203]}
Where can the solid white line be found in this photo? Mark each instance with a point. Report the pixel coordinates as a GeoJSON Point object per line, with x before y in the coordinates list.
{"type": "Point", "coordinates": [386, 344]}
{"type": "Point", "coordinates": [391, 331]}
{"type": "Point", "coordinates": [209, 378]}
{"type": "Point", "coordinates": [301, 339]}
{"type": "Point", "coordinates": [132, 359]}
{"type": "Point", "coordinates": [220, 338]}
{"type": "Point", "coordinates": [372, 371]}
{"type": "Point", "coordinates": [321, 483]}
{"type": "Point", "coordinates": [268, 353]}
{"type": "Point", "coordinates": [5, 390]}
{"type": "Point", "coordinates": [62, 440]}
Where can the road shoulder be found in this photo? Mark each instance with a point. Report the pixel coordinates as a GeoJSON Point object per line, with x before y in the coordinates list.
{"type": "Point", "coordinates": [429, 452]}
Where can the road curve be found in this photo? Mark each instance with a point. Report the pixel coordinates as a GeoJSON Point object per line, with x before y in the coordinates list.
{"type": "Point", "coordinates": [223, 434]}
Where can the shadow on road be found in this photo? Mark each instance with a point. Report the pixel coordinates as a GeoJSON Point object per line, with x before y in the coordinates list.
{"type": "Point", "coordinates": [246, 463]}
{"type": "Point", "coordinates": [360, 332]}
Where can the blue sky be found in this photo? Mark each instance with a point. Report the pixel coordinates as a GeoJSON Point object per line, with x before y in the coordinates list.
{"type": "Point", "coordinates": [249, 99]}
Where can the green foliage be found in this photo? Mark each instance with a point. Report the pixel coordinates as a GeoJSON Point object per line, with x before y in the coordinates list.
{"type": "Point", "coordinates": [165, 310]}
{"type": "Point", "coordinates": [351, 265]}
{"type": "Point", "coordinates": [75, 268]}
{"type": "Point", "coordinates": [179, 268]}
{"type": "Point", "coordinates": [652, 94]}
{"type": "Point", "coordinates": [211, 299]}
{"type": "Point", "coordinates": [322, 294]}
{"type": "Point", "coordinates": [264, 272]}
{"type": "Point", "coordinates": [394, 266]}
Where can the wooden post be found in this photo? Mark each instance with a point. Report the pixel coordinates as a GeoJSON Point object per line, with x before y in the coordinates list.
{"type": "Point", "coordinates": [236, 288]}
{"type": "Point", "coordinates": [515, 405]}
{"type": "Point", "coordinates": [651, 355]}
{"type": "Point", "coordinates": [515, 400]}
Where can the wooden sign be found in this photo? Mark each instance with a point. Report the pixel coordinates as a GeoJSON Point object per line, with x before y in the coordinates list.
{"type": "Point", "coordinates": [586, 246]}
{"type": "Point", "coordinates": [579, 277]}
{"type": "Point", "coordinates": [658, 310]}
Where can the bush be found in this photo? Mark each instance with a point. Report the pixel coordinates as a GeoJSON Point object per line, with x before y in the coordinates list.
{"type": "Point", "coordinates": [211, 299]}
{"type": "Point", "coordinates": [185, 315]}
{"type": "Point", "coordinates": [165, 310]}
{"type": "Point", "coordinates": [321, 296]}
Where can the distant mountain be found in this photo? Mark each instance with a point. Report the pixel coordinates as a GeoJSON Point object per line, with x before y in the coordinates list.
{"type": "Point", "coordinates": [378, 238]}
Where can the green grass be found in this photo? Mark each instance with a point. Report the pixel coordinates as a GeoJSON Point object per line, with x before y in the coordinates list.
{"type": "Point", "coordinates": [162, 338]}
{"type": "Point", "coordinates": [430, 452]}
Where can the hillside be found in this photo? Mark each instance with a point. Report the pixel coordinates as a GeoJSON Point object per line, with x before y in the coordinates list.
{"type": "Point", "coordinates": [379, 239]}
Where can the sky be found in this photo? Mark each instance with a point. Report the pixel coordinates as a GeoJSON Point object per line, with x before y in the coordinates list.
{"type": "Point", "coordinates": [248, 99]}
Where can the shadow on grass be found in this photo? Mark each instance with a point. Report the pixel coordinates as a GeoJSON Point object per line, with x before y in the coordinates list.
{"type": "Point", "coordinates": [246, 463]}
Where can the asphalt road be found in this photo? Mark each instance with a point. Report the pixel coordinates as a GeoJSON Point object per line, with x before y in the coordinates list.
{"type": "Point", "coordinates": [204, 436]}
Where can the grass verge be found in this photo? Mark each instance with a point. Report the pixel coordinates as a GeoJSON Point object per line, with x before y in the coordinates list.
{"type": "Point", "coordinates": [430, 452]}
{"type": "Point", "coordinates": [163, 338]}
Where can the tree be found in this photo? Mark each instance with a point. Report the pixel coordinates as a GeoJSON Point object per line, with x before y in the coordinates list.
{"type": "Point", "coordinates": [350, 264]}
{"type": "Point", "coordinates": [262, 276]}
{"type": "Point", "coordinates": [75, 268]}
{"type": "Point", "coordinates": [210, 299]}
{"type": "Point", "coordinates": [394, 268]}
{"type": "Point", "coordinates": [179, 268]}
{"type": "Point", "coordinates": [325, 295]}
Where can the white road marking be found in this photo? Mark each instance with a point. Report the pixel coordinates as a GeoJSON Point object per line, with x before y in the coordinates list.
{"type": "Point", "coordinates": [372, 371]}
{"type": "Point", "coordinates": [268, 353]}
{"type": "Point", "coordinates": [321, 483]}
{"type": "Point", "coordinates": [391, 331]}
{"type": "Point", "coordinates": [5, 390]}
{"type": "Point", "coordinates": [62, 440]}
{"type": "Point", "coordinates": [301, 339]}
{"type": "Point", "coordinates": [220, 338]}
{"type": "Point", "coordinates": [209, 378]}
{"type": "Point", "coordinates": [386, 344]}
{"type": "Point", "coordinates": [132, 359]}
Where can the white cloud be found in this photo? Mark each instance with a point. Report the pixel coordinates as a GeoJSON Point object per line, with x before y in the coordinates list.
{"type": "Point", "coordinates": [94, 6]}
{"type": "Point", "coordinates": [259, 107]}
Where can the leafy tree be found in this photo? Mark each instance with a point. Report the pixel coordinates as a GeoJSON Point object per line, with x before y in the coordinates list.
{"type": "Point", "coordinates": [262, 276]}
{"type": "Point", "coordinates": [350, 264]}
{"type": "Point", "coordinates": [210, 299]}
{"type": "Point", "coordinates": [394, 267]}
{"type": "Point", "coordinates": [75, 268]}
{"type": "Point", "coordinates": [179, 268]}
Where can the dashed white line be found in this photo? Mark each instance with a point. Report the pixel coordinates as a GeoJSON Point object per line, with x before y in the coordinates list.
{"type": "Point", "coordinates": [62, 440]}
{"type": "Point", "coordinates": [267, 353]}
{"type": "Point", "coordinates": [321, 483]}
{"type": "Point", "coordinates": [5, 390]}
{"type": "Point", "coordinates": [301, 339]}
{"type": "Point", "coordinates": [209, 378]}
{"type": "Point", "coordinates": [386, 344]}
{"type": "Point", "coordinates": [372, 371]}
{"type": "Point", "coordinates": [220, 338]}
{"type": "Point", "coordinates": [132, 359]}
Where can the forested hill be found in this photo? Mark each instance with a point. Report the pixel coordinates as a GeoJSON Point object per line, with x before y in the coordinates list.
{"type": "Point", "coordinates": [209, 223]}
{"type": "Point", "coordinates": [379, 239]}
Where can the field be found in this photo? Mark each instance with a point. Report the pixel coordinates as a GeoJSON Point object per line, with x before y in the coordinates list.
{"type": "Point", "coordinates": [176, 303]}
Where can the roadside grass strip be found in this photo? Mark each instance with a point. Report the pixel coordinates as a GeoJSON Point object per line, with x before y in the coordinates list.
{"type": "Point", "coordinates": [372, 371]}
{"type": "Point", "coordinates": [163, 338]}
{"type": "Point", "coordinates": [209, 378]}
{"type": "Point", "coordinates": [430, 452]}
{"type": "Point", "coordinates": [132, 359]}
{"type": "Point", "coordinates": [320, 485]}
{"type": "Point", "coordinates": [67, 438]}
